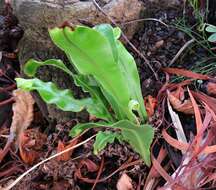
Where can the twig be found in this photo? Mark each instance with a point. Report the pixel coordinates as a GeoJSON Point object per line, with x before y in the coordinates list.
{"type": "Point", "coordinates": [43, 161]}
{"type": "Point", "coordinates": [8, 101]}
{"type": "Point", "coordinates": [181, 50]}
{"type": "Point", "coordinates": [7, 147]}
{"type": "Point", "coordinates": [5, 89]}
{"type": "Point", "coordinates": [127, 40]}
{"type": "Point", "coordinates": [99, 173]}
{"type": "Point", "coordinates": [145, 19]}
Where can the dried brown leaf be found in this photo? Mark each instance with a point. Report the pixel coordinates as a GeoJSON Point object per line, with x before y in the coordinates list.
{"type": "Point", "coordinates": [185, 73]}
{"type": "Point", "coordinates": [179, 93]}
{"type": "Point", "coordinates": [150, 104]}
{"type": "Point", "coordinates": [22, 118]}
{"type": "Point", "coordinates": [124, 183]}
{"type": "Point", "coordinates": [184, 107]}
{"type": "Point", "coordinates": [61, 147]}
{"type": "Point", "coordinates": [22, 112]}
{"type": "Point", "coordinates": [211, 88]}
{"type": "Point", "coordinates": [31, 142]}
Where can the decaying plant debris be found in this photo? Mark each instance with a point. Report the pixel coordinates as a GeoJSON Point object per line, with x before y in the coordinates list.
{"type": "Point", "coordinates": [178, 102]}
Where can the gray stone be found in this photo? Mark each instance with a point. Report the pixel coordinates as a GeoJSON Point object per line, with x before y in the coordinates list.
{"type": "Point", "coordinates": [36, 16]}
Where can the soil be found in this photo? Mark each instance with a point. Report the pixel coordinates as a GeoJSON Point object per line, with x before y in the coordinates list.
{"type": "Point", "coordinates": [159, 44]}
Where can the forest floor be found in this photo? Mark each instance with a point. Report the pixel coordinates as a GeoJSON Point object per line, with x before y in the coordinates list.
{"type": "Point", "coordinates": [165, 39]}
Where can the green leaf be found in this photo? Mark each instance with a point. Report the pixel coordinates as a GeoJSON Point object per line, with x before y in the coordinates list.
{"type": "Point", "coordinates": [139, 137]}
{"type": "Point", "coordinates": [97, 109]}
{"type": "Point", "coordinates": [117, 32]}
{"type": "Point", "coordinates": [32, 66]}
{"type": "Point", "coordinates": [103, 138]}
{"type": "Point", "coordinates": [49, 92]}
{"type": "Point", "coordinates": [131, 75]}
{"type": "Point", "coordinates": [100, 108]}
{"type": "Point", "coordinates": [107, 31]}
{"type": "Point", "coordinates": [93, 54]}
{"type": "Point", "coordinates": [127, 66]}
{"type": "Point", "coordinates": [211, 28]}
{"type": "Point", "coordinates": [212, 38]}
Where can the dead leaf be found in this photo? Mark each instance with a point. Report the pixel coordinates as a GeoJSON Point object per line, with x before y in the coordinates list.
{"type": "Point", "coordinates": [150, 104]}
{"type": "Point", "coordinates": [179, 93]}
{"type": "Point", "coordinates": [203, 98]}
{"type": "Point", "coordinates": [197, 113]}
{"type": "Point", "coordinates": [153, 174]}
{"type": "Point", "coordinates": [185, 106]}
{"type": "Point", "coordinates": [185, 73]}
{"type": "Point", "coordinates": [124, 183]}
{"type": "Point", "coordinates": [91, 166]}
{"type": "Point", "coordinates": [22, 118]}
{"type": "Point", "coordinates": [177, 124]}
{"type": "Point", "coordinates": [22, 112]}
{"type": "Point", "coordinates": [30, 145]}
{"type": "Point", "coordinates": [61, 147]}
{"type": "Point", "coordinates": [211, 88]}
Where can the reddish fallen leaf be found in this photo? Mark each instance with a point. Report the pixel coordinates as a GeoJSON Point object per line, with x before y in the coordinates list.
{"type": "Point", "coordinates": [171, 87]}
{"type": "Point", "coordinates": [153, 173]}
{"type": "Point", "coordinates": [185, 146]}
{"type": "Point", "coordinates": [179, 93]}
{"type": "Point", "coordinates": [150, 104]}
{"type": "Point", "coordinates": [198, 119]}
{"type": "Point", "coordinates": [185, 73]}
{"type": "Point", "coordinates": [31, 142]}
{"type": "Point", "coordinates": [174, 143]}
{"type": "Point", "coordinates": [13, 169]}
{"type": "Point", "coordinates": [203, 98]}
{"type": "Point", "coordinates": [185, 106]}
{"type": "Point", "coordinates": [213, 114]}
{"type": "Point", "coordinates": [8, 101]}
{"type": "Point", "coordinates": [124, 183]}
{"type": "Point", "coordinates": [125, 165]}
{"type": "Point", "coordinates": [61, 147]}
{"type": "Point", "coordinates": [91, 167]}
{"type": "Point", "coordinates": [211, 88]}
{"type": "Point", "coordinates": [161, 170]}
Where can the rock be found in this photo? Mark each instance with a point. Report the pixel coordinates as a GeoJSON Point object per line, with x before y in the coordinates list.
{"type": "Point", "coordinates": [36, 16]}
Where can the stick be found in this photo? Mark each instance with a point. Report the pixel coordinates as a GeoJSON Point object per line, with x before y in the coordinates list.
{"type": "Point", "coordinates": [43, 161]}
{"type": "Point", "coordinates": [145, 19]}
{"type": "Point", "coordinates": [181, 50]}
